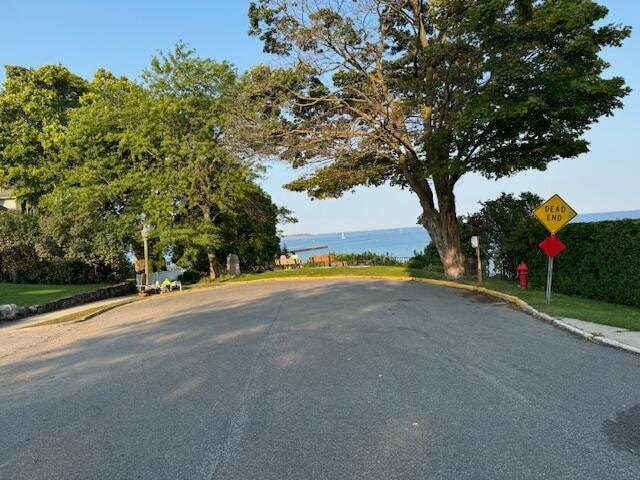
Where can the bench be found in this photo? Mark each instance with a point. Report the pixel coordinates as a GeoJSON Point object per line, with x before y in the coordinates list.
{"type": "Point", "coordinates": [328, 260]}
{"type": "Point", "coordinates": [285, 262]}
{"type": "Point", "coordinates": [364, 263]}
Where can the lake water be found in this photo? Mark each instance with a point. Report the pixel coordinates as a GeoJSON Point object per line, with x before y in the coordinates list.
{"type": "Point", "coordinates": [397, 242]}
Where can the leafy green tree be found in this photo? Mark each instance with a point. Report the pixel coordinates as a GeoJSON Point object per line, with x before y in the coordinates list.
{"type": "Point", "coordinates": [154, 149]}
{"type": "Point", "coordinates": [418, 93]}
{"type": "Point", "coordinates": [95, 208]}
{"type": "Point", "coordinates": [34, 108]}
{"type": "Point", "coordinates": [57, 155]}
{"type": "Point", "coordinates": [507, 229]}
{"type": "Point", "coordinates": [98, 159]}
{"type": "Point", "coordinates": [199, 179]}
{"type": "Point", "coordinates": [249, 229]}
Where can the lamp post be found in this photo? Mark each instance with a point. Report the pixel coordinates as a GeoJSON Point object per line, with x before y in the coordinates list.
{"type": "Point", "coordinates": [145, 239]}
{"type": "Point", "coordinates": [475, 243]}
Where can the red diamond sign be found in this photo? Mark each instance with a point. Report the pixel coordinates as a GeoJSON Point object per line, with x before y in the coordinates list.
{"type": "Point", "coordinates": [552, 246]}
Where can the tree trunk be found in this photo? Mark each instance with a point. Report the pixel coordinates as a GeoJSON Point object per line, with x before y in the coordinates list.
{"type": "Point", "coordinates": [442, 225]}
{"type": "Point", "coordinates": [212, 264]}
{"type": "Point", "coordinates": [440, 222]}
{"type": "Point", "coordinates": [445, 235]}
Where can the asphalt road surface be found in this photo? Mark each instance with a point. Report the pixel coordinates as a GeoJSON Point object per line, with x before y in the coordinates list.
{"type": "Point", "coordinates": [319, 380]}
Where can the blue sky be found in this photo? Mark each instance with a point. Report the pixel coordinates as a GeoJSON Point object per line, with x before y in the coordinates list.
{"type": "Point", "coordinates": [121, 36]}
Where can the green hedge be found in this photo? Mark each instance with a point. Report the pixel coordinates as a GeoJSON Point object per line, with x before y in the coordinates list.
{"type": "Point", "coordinates": [602, 261]}
{"type": "Point", "coordinates": [374, 258]}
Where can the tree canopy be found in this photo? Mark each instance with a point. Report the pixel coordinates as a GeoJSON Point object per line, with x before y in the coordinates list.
{"type": "Point", "coordinates": [417, 93]}
{"type": "Point", "coordinates": [34, 109]}
{"type": "Point", "coordinates": [99, 159]}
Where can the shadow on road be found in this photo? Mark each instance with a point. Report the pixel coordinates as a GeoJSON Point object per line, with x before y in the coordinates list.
{"type": "Point", "coordinates": [323, 379]}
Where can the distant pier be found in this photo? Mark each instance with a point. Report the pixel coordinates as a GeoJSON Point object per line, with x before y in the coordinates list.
{"type": "Point", "coordinates": [308, 249]}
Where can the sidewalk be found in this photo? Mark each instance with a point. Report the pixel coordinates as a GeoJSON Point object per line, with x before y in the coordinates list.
{"type": "Point", "coordinates": [14, 337]}
{"type": "Point", "coordinates": [626, 337]}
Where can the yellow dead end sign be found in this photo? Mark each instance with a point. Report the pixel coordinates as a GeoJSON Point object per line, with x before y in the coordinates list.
{"type": "Point", "coordinates": [554, 214]}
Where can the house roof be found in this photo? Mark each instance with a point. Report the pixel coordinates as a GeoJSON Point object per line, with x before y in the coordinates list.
{"type": "Point", "coordinates": [6, 193]}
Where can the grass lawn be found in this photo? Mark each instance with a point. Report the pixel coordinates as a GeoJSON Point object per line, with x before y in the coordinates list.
{"type": "Point", "coordinates": [23, 294]}
{"type": "Point", "coordinates": [402, 272]}
{"type": "Point", "coordinates": [561, 305]}
{"type": "Point", "coordinates": [595, 311]}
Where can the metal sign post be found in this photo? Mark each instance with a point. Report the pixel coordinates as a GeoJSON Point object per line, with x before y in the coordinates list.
{"type": "Point", "coordinates": [554, 214]}
{"type": "Point", "coordinates": [549, 279]}
{"type": "Point", "coordinates": [475, 243]}
{"type": "Point", "coordinates": [552, 246]}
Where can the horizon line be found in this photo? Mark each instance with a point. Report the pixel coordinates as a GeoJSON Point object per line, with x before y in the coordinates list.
{"type": "Point", "coordinates": [376, 229]}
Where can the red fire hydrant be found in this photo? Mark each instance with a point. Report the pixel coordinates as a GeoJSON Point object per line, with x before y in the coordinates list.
{"type": "Point", "coordinates": [523, 275]}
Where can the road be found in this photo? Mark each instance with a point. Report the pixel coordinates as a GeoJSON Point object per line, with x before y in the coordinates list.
{"type": "Point", "coordinates": [353, 379]}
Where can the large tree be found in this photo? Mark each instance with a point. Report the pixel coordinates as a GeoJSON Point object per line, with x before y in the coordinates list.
{"type": "Point", "coordinates": [93, 158]}
{"type": "Point", "coordinates": [417, 93]}
{"type": "Point", "coordinates": [34, 109]}
{"type": "Point", "coordinates": [161, 149]}
{"type": "Point", "coordinates": [103, 183]}
{"type": "Point", "coordinates": [200, 181]}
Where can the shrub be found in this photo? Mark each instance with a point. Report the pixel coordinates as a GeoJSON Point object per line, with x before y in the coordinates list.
{"type": "Point", "coordinates": [507, 230]}
{"type": "Point", "coordinates": [370, 257]}
{"type": "Point", "coordinates": [602, 261]}
{"type": "Point", "coordinates": [428, 259]}
{"type": "Point", "coordinates": [190, 276]}
{"type": "Point", "coordinates": [27, 255]}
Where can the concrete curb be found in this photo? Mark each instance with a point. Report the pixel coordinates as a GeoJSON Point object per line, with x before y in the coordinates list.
{"type": "Point", "coordinates": [556, 322]}
{"type": "Point", "coordinates": [599, 339]}
{"type": "Point", "coordinates": [82, 318]}
{"type": "Point", "coordinates": [521, 304]}
{"type": "Point", "coordinates": [108, 308]}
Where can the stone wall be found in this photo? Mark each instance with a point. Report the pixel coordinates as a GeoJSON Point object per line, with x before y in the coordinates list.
{"type": "Point", "coordinates": [12, 312]}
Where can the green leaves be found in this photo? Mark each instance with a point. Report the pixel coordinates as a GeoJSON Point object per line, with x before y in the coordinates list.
{"type": "Point", "coordinates": [333, 180]}
{"type": "Point", "coordinates": [34, 108]}
{"type": "Point", "coordinates": [419, 93]}
{"type": "Point", "coordinates": [102, 155]}
{"type": "Point", "coordinates": [492, 87]}
{"type": "Point", "coordinates": [507, 229]}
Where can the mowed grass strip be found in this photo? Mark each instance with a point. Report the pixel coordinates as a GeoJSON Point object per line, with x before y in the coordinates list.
{"type": "Point", "coordinates": [24, 295]}
{"type": "Point", "coordinates": [401, 272]}
{"type": "Point", "coordinates": [84, 314]}
{"type": "Point", "coordinates": [566, 306]}
{"type": "Point", "coordinates": [562, 306]}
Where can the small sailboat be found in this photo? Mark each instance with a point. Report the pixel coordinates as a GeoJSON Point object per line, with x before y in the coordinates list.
{"type": "Point", "coordinates": [342, 237]}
